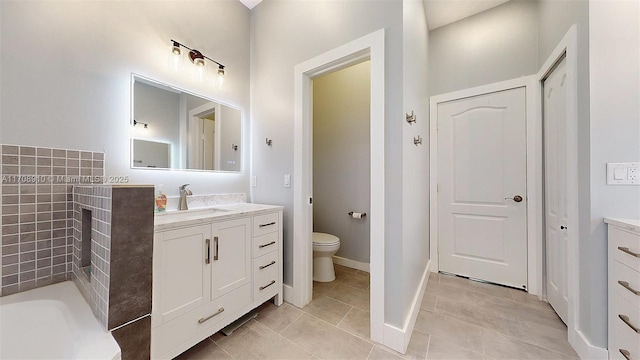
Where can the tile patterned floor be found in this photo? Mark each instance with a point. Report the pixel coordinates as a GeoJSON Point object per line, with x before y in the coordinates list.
{"type": "Point", "coordinates": [458, 319]}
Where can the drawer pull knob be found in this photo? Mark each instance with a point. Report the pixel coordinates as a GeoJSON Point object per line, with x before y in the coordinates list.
{"type": "Point", "coordinates": [211, 316]}
{"type": "Point", "coordinates": [269, 224]}
{"type": "Point", "coordinates": [269, 284]}
{"type": "Point", "coordinates": [625, 353]}
{"type": "Point", "coordinates": [625, 319]}
{"type": "Point", "coordinates": [626, 286]}
{"type": "Point", "coordinates": [626, 250]}
{"type": "Point", "coordinates": [267, 244]}
{"type": "Point", "coordinates": [266, 266]}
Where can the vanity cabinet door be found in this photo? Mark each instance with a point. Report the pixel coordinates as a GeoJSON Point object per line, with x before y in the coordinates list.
{"type": "Point", "coordinates": [181, 272]}
{"type": "Point", "coordinates": [230, 256]}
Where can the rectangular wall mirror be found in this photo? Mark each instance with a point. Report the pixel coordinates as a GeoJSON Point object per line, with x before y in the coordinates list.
{"type": "Point", "coordinates": [175, 129]}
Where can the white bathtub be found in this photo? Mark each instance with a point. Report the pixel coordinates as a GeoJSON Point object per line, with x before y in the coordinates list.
{"type": "Point", "coordinates": [52, 322]}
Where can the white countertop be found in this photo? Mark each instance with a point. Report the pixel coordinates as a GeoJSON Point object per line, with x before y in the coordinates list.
{"type": "Point", "coordinates": [170, 219]}
{"type": "Point", "coordinates": [629, 224]}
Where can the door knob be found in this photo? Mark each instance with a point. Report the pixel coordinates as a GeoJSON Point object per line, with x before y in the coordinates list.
{"type": "Point", "coordinates": [562, 227]}
{"type": "Point", "coordinates": [516, 198]}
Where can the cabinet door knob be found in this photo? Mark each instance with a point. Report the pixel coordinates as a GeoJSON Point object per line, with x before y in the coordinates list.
{"type": "Point", "coordinates": [215, 248]}
{"type": "Point", "coordinates": [207, 258]}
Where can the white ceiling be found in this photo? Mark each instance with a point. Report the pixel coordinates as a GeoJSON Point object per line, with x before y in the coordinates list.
{"type": "Point", "coordinates": [443, 12]}
{"type": "Point", "coordinates": [439, 12]}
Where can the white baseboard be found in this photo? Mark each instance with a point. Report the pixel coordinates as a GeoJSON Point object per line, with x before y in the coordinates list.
{"type": "Point", "coordinates": [396, 338]}
{"type": "Point", "coordinates": [351, 263]}
{"type": "Point", "coordinates": [585, 349]}
{"type": "Point", "coordinates": [287, 293]}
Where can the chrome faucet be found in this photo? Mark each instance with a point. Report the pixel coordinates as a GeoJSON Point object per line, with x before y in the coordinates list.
{"type": "Point", "coordinates": [182, 205]}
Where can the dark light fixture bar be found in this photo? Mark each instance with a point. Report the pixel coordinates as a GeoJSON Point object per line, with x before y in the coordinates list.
{"type": "Point", "coordinates": [136, 122]}
{"type": "Point", "coordinates": [195, 56]}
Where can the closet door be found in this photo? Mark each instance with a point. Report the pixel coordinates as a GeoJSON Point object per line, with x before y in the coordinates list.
{"type": "Point", "coordinates": [555, 187]}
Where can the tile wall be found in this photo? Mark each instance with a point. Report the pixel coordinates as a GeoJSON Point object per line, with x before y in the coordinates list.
{"type": "Point", "coordinates": [36, 212]}
{"type": "Point", "coordinates": [94, 287]}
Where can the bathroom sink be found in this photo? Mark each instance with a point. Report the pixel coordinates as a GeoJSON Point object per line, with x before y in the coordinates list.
{"type": "Point", "coordinates": [174, 216]}
{"type": "Point", "coordinates": [210, 210]}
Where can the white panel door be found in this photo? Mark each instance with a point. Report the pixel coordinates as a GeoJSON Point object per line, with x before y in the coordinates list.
{"type": "Point", "coordinates": [555, 188]}
{"type": "Point", "coordinates": [482, 187]}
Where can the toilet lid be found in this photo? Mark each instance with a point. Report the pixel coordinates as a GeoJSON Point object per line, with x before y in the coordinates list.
{"type": "Point", "coordinates": [320, 239]}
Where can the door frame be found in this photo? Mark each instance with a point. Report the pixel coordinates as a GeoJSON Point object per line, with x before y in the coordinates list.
{"type": "Point", "coordinates": [568, 47]}
{"type": "Point", "coordinates": [369, 47]}
{"type": "Point", "coordinates": [533, 171]}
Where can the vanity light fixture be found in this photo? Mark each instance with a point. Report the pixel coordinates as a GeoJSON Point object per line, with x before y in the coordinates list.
{"type": "Point", "coordinates": [136, 122]}
{"type": "Point", "coordinates": [195, 56]}
{"type": "Point", "coordinates": [176, 50]}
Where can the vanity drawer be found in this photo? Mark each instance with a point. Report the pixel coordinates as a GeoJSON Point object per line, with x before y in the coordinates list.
{"type": "Point", "coordinates": [622, 342]}
{"type": "Point", "coordinates": [626, 283]}
{"type": "Point", "coordinates": [265, 244]}
{"type": "Point", "coordinates": [266, 281]}
{"type": "Point", "coordinates": [264, 224]}
{"type": "Point", "coordinates": [208, 317]}
{"type": "Point", "coordinates": [625, 246]}
{"type": "Point", "coordinates": [630, 313]}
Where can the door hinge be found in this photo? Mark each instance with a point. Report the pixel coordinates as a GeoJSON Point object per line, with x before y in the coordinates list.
{"type": "Point", "coordinates": [438, 187]}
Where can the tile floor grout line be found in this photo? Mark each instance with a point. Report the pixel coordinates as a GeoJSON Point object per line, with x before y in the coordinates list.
{"type": "Point", "coordinates": [346, 303]}
{"type": "Point", "coordinates": [344, 316]}
{"type": "Point", "coordinates": [296, 319]}
{"type": "Point", "coordinates": [287, 339]}
{"type": "Point", "coordinates": [370, 351]}
{"type": "Point", "coordinates": [426, 355]}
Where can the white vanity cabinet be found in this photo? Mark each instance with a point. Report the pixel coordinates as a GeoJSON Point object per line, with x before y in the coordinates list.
{"type": "Point", "coordinates": [209, 270]}
{"type": "Point", "coordinates": [624, 289]}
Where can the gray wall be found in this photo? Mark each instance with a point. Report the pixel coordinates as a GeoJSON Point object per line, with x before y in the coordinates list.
{"type": "Point", "coordinates": [614, 73]}
{"type": "Point", "coordinates": [341, 158]}
{"type": "Point", "coordinates": [66, 74]}
{"type": "Point", "coordinates": [415, 170]}
{"type": "Point", "coordinates": [495, 45]}
{"type": "Point", "coordinates": [286, 33]}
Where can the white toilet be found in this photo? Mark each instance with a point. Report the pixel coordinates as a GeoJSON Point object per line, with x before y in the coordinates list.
{"type": "Point", "coordinates": [324, 246]}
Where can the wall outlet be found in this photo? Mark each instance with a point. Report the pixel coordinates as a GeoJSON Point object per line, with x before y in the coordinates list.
{"type": "Point", "coordinates": [623, 173]}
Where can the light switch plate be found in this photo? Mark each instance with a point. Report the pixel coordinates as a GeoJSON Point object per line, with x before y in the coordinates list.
{"type": "Point", "coordinates": [287, 181]}
{"type": "Point", "coordinates": [623, 173]}
{"type": "Point", "coordinates": [254, 181]}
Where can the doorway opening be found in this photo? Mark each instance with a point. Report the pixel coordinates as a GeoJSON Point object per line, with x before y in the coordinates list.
{"type": "Point", "coordinates": [369, 47]}
{"type": "Point", "coordinates": [341, 187]}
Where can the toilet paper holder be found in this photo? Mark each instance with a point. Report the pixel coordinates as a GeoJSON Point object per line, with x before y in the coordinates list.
{"type": "Point", "coordinates": [357, 215]}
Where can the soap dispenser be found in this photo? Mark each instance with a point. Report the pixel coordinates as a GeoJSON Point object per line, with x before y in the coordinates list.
{"type": "Point", "coordinates": [161, 200]}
